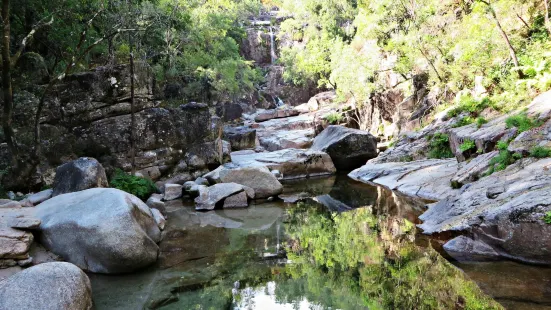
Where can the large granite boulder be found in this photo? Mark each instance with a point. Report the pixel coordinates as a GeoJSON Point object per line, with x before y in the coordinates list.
{"type": "Point", "coordinates": [215, 196]}
{"type": "Point", "coordinates": [260, 179]}
{"type": "Point", "coordinates": [286, 139]}
{"type": "Point", "coordinates": [78, 175]}
{"type": "Point", "coordinates": [102, 230]}
{"type": "Point", "coordinates": [291, 163]}
{"type": "Point", "coordinates": [349, 148]}
{"type": "Point", "coordinates": [240, 138]}
{"type": "Point", "coordinates": [49, 286]}
{"type": "Point", "coordinates": [505, 210]}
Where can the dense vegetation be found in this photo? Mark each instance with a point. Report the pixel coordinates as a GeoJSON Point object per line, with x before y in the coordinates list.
{"type": "Point", "coordinates": [498, 47]}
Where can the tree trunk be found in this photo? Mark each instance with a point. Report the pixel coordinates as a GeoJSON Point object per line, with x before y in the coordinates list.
{"type": "Point", "coordinates": [132, 108]}
{"type": "Point", "coordinates": [547, 22]}
{"type": "Point", "coordinates": [6, 84]}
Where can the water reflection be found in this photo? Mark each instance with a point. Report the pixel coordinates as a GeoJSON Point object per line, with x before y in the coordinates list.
{"type": "Point", "coordinates": [307, 255]}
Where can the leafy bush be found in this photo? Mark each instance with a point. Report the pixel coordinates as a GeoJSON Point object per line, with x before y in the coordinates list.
{"type": "Point", "coordinates": [334, 117]}
{"type": "Point", "coordinates": [467, 145]}
{"type": "Point", "coordinates": [503, 160]}
{"type": "Point", "coordinates": [540, 152]}
{"type": "Point", "coordinates": [480, 121]}
{"type": "Point", "coordinates": [470, 105]}
{"type": "Point", "coordinates": [440, 146]}
{"type": "Point", "coordinates": [547, 217]}
{"type": "Point", "coordinates": [139, 187]}
{"type": "Point", "coordinates": [522, 122]}
{"type": "Point", "coordinates": [464, 121]}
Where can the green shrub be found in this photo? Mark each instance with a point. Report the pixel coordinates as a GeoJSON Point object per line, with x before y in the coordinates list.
{"type": "Point", "coordinates": [139, 187]}
{"type": "Point", "coordinates": [504, 159]}
{"type": "Point", "coordinates": [440, 146]}
{"type": "Point", "coordinates": [540, 152]}
{"type": "Point", "coordinates": [547, 217]}
{"type": "Point", "coordinates": [470, 105]}
{"type": "Point", "coordinates": [464, 121]}
{"type": "Point", "coordinates": [522, 122]}
{"type": "Point", "coordinates": [467, 145]}
{"type": "Point", "coordinates": [334, 118]}
{"type": "Point", "coordinates": [480, 121]}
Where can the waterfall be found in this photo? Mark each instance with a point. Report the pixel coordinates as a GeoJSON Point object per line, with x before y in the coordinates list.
{"type": "Point", "coordinates": [272, 45]}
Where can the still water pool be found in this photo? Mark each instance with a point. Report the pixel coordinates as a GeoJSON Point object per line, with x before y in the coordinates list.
{"type": "Point", "coordinates": [335, 244]}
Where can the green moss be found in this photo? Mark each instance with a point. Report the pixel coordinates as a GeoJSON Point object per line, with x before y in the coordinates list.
{"type": "Point", "coordinates": [540, 152]}
{"type": "Point", "coordinates": [439, 146]}
{"type": "Point", "coordinates": [140, 187]}
{"type": "Point", "coordinates": [522, 122]}
{"type": "Point", "coordinates": [504, 159]}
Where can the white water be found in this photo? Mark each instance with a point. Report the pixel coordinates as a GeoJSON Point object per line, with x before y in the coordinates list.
{"type": "Point", "coordinates": [272, 45]}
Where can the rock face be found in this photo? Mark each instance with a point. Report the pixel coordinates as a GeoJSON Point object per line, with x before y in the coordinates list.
{"type": "Point", "coordinates": [260, 179]}
{"type": "Point", "coordinates": [471, 171]}
{"type": "Point", "coordinates": [348, 148]}
{"type": "Point", "coordinates": [425, 179]}
{"type": "Point", "coordinates": [504, 210]}
{"type": "Point", "coordinates": [211, 197]}
{"type": "Point", "coordinates": [291, 163]}
{"type": "Point", "coordinates": [78, 175]}
{"type": "Point", "coordinates": [172, 192]}
{"type": "Point", "coordinates": [240, 138]}
{"type": "Point", "coordinates": [55, 286]}
{"type": "Point", "coordinates": [15, 237]}
{"type": "Point", "coordinates": [101, 230]}
{"type": "Point", "coordinates": [292, 139]}
{"type": "Point", "coordinates": [275, 113]}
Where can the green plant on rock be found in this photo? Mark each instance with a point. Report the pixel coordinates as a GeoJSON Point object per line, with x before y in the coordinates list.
{"type": "Point", "coordinates": [504, 158]}
{"type": "Point", "coordinates": [522, 122]}
{"type": "Point", "coordinates": [540, 152]}
{"type": "Point", "coordinates": [467, 145]}
{"type": "Point", "coordinates": [470, 105]}
{"type": "Point", "coordinates": [480, 121]}
{"type": "Point", "coordinates": [440, 146]}
{"type": "Point", "coordinates": [334, 118]}
{"type": "Point", "coordinates": [547, 217]}
{"type": "Point", "coordinates": [464, 121]}
{"type": "Point", "coordinates": [139, 187]}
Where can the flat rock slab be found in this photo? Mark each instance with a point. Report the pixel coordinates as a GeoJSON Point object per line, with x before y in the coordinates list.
{"type": "Point", "coordinates": [260, 179]}
{"type": "Point", "coordinates": [291, 163]}
{"type": "Point", "coordinates": [286, 139]}
{"type": "Point", "coordinates": [275, 113]}
{"type": "Point", "coordinates": [473, 170]}
{"type": "Point", "coordinates": [425, 179]}
{"type": "Point", "coordinates": [505, 210]}
{"type": "Point", "coordinates": [16, 243]}
{"type": "Point", "coordinates": [209, 197]}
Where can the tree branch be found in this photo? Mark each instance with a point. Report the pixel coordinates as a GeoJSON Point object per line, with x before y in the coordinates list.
{"type": "Point", "coordinates": [28, 38]}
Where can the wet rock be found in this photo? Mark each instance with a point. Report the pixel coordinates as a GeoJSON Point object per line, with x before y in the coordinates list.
{"type": "Point", "coordinates": [239, 200]}
{"type": "Point", "coordinates": [349, 148]}
{"type": "Point", "coordinates": [511, 222]}
{"type": "Point", "coordinates": [463, 249]}
{"type": "Point", "coordinates": [159, 218]}
{"type": "Point", "coordinates": [291, 163]}
{"type": "Point", "coordinates": [426, 179]}
{"type": "Point", "coordinates": [240, 138]}
{"type": "Point", "coordinates": [202, 181]}
{"type": "Point", "coordinates": [260, 179]}
{"type": "Point", "coordinates": [100, 230]}
{"type": "Point", "coordinates": [78, 175]}
{"type": "Point", "coordinates": [473, 170]}
{"type": "Point", "coordinates": [172, 192]}
{"type": "Point", "coordinates": [60, 286]}
{"type": "Point", "coordinates": [209, 197]}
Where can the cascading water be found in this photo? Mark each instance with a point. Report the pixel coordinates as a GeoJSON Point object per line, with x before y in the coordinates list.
{"type": "Point", "coordinates": [272, 45]}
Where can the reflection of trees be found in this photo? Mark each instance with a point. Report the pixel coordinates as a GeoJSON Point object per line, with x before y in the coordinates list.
{"type": "Point", "coordinates": [354, 260]}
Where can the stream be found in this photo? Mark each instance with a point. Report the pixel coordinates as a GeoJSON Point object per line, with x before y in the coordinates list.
{"type": "Point", "coordinates": [340, 245]}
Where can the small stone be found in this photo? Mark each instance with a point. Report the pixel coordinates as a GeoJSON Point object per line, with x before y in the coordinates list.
{"type": "Point", "coordinates": [238, 200]}
{"type": "Point", "coordinates": [495, 191]}
{"type": "Point", "coordinates": [11, 195]}
{"type": "Point", "coordinates": [195, 162]}
{"type": "Point", "coordinates": [159, 218]}
{"type": "Point", "coordinates": [172, 192]}
{"type": "Point", "coordinates": [276, 174]}
{"type": "Point", "coordinates": [7, 263]}
{"type": "Point", "coordinates": [25, 262]}
{"type": "Point", "coordinates": [156, 204]}
{"type": "Point", "coordinates": [24, 223]}
{"type": "Point", "coordinates": [189, 185]}
{"type": "Point", "coordinates": [40, 196]}
{"type": "Point", "coordinates": [202, 181]}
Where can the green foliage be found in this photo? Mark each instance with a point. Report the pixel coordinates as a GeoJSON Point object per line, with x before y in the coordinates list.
{"type": "Point", "coordinates": [547, 217]}
{"type": "Point", "coordinates": [504, 158]}
{"type": "Point", "coordinates": [440, 146]}
{"type": "Point", "coordinates": [139, 187]}
{"type": "Point", "coordinates": [467, 145]}
{"type": "Point", "coordinates": [522, 122]}
{"type": "Point", "coordinates": [464, 121]}
{"type": "Point", "coordinates": [480, 121]}
{"type": "Point", "coordinates": [334, 118]}
{"type": "Point", "coordinates": [469, 105]}
{"type": "Point", "coordinates": [540, 152]}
